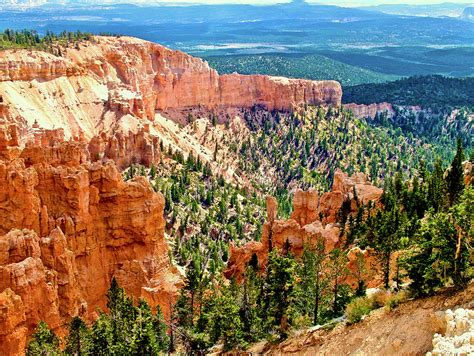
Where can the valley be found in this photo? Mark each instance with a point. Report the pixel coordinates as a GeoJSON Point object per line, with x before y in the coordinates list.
{"type": "Point", "coordinates": [151, 204]}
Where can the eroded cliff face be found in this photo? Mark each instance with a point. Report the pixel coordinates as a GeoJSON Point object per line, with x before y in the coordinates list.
{"type": "Point", "coordinates": [88, 89]}
{"type": "Point", "coordinates": [67, 226]}
{"type": "Point", "coordinates": [313, 219]}
{"type": "Point", "coordinates": [370, 111]}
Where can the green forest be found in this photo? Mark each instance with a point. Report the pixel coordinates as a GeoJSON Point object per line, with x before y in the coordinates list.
{"type": "Point", "coordinates": [307, 66]}
{"type": "Point", "coordinates": [30, 39]}
{"type": "Point", "coordinates": [434, 91]}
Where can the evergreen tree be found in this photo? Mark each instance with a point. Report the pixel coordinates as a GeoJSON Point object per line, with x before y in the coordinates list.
{"type": "Point", "coordinates": [149, 332]}
{"type": "Point", "coordinates": [441, 254]}
{"type": "Point", "coordinates": [337, 273]}
{"type": "Point", "coordinates": [44, 342]}
{"type": "Point", "coordinates": [437, 187]}
{"type": "Point", "coordinates": [455, 178]}
{"type": "Point", "coordinates": [313, 279]}
{"type": "Point", "coordinates": [101, 335]}
{"type": "Point", "coordinates": [280, 287]}
{"type": "Point", "coordinates": [78, 339]}
{"type": "Point", "coordinates": [220, 319]}
{"type": "Point", "coordinates": [251, 286]}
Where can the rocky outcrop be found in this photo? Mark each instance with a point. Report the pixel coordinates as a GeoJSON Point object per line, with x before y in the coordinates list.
{"type": "Point", "coordinates": [13, 332]}
{"type": "Point", "coordinates": [67, 226]}
{"type": "Point", "coordinates": [371, 110]}
{"type": "Point", "coordinates": [88, 89]}
{"type": "Point", "coordinates": [126, 146]}
{"type": "Point", "coordinates": [314, 218]}
{"type": "Point", "coordinates": [457, 336]}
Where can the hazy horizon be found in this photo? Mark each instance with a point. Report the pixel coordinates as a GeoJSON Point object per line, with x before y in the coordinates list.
{"type": "Point", "coordinates": [255, 2]}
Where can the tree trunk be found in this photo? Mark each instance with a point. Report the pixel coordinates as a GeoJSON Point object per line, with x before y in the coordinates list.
{"type": "Point", "coordinates": [387, 270]}
{"type": "Point", "coordinates": [316, 305]}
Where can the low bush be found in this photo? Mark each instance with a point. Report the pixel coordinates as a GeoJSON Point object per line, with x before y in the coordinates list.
{"type": "Point", "coordinates": [380, 298]}
{"type": "Point", "coordinates": [396, 299]}
{"type": "Point", "coordinates": [359, 307]}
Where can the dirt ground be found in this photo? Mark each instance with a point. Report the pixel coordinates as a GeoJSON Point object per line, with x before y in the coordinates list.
{"type": "Point", "coordinates": [406, 330]}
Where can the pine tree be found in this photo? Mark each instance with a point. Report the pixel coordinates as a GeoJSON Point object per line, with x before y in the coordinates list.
{"type": "Point", "coordinates": [44, 342]}
{"type": "Point", "coordinates": [220, 319]}
{"type": "Point", "coordinates": [337, 273]}
{"type": "Point", "coordinates": [101, 335]}
{"type": "Point", "coordinates": [313, 279]}
{"type": "Point", "coordinates": [280, 287]}
{"type": "Point", "coordinates": [455, 178]}
{"type": "Point", "coordinates": [78, 340]}
{"type": "Point", "coordinates": [152, 171]}
{"type": "Point", "coordinates": [149, 331]}
{"type": "Point", "coordinates": [251, 286]}
{"type": "Point", "coordinates": [437, 187]}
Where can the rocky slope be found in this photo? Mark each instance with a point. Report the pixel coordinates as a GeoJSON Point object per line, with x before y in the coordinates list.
{"type": "Point", "coordinates": [407, 330]}
{"type": "Point", "coordinates": [66, 227]}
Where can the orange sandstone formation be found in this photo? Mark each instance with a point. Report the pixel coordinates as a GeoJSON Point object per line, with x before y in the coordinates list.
{"type": "Point", "coordinates": [67, 226]}
{"type": "Point", "coordinates": [114, 93]}
{"type": "Point", "coordinates": [90, 88]}
{"type": "Point", "coordinates": [313, 219]}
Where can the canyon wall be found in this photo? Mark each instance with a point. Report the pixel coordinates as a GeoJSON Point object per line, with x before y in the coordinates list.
{"type": "Point", "coordinates": [370, 111]}
{"type": "Point", "coordinates": [67, 226]}
{"type": "Point", "coordinates": [89, 88]}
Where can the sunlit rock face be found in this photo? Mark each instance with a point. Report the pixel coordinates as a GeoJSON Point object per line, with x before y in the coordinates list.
{"type": "Point", "coordinates": [88, 89]}
{"type": "Point", "coordinates": [67, 226]}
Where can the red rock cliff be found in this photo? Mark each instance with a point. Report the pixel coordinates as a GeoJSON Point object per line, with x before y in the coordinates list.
{"type": "Point", "coordinates": [89, 88]}
{"type": "Point", "coordinates": [370, 111]}
{"type": "Point", "coordinates": [67, 226]}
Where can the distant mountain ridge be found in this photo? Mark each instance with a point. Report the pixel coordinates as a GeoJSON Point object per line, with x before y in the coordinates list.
{"type": "Point", "coordinates": [468, 14]}
{"type": "Point", "coordinates": [446, 9]}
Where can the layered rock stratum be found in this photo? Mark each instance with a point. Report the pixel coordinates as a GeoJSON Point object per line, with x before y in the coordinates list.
{"type": "Point", "coordinates": [371, 111]}
{"type": "Point", "coordinates": [67, 226]}
{"type": "Point", "coordinates": [110, 87]}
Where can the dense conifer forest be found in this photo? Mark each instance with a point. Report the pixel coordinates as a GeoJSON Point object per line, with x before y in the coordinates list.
{"type": "Point", "coordinates": [434, 91]}
{"type": "Point", "coordinates": [30, 39]}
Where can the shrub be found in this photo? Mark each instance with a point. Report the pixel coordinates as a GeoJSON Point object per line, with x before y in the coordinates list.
{"type": "Point", "coordinates": [396, 299]}
{"type": "Point", "coordinates": [302, 321]}
{"type": "Point", "coordinates": [359, 307]}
